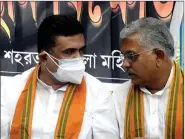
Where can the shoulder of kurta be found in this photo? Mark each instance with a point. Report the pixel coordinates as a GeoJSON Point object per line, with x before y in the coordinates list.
{"type": "Point", "coordinates": [120, 90]}
{"type": "Point", "coordinates": [120, 93]}
{"type": "Point", "coordinates": [90, 78]}
{"type": "Point", "coordinates": [91, 81]}
{"type": "Point", "coordinates": [96, 86]}
{"type": "Point", "coordinates": [13, 86]}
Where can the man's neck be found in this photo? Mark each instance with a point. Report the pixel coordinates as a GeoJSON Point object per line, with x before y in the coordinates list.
{"type": "Point", "coordinates": [48, 79]}
{"type": "Point", "coordinates": [161, 80]}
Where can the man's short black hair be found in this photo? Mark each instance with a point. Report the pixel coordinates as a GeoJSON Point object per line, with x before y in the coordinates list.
{"type": "Point", "coordinates": [56, 25]}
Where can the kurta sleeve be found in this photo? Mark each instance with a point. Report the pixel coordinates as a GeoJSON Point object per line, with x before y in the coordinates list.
{"type": "Point", "coordinates": [105, 124]}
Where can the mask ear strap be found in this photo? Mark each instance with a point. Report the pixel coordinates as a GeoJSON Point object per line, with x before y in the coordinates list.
{"type": "Point", "coordinates": [48, 69]}
{"type": "Point", "coordinates": [52, 57]}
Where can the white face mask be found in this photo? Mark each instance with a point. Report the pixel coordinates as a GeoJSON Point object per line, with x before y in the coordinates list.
{"type": "Point", "coordinates": [69, 70]}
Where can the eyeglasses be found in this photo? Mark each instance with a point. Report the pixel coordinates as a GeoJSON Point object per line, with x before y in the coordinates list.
{"type": "Point", "coordinates": [132, 56]}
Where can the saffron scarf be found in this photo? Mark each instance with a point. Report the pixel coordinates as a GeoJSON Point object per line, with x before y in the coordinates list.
{"type": "Point", "coordinates": [174, 124]}
{"type": "Point", "coordinates": [70, 116]}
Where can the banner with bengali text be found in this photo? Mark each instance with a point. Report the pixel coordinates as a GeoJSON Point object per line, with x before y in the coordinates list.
{"type": "Point", "coordinates": [102, 20]}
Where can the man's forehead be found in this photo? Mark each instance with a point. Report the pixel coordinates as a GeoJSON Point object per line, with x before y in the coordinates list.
{"type": "Point", "coordinates": [135, 36]}
{"type": "Point", "coordinates": [73, 38]}
{"type": "Point", "coordinates": [70, 41]}
{"type": "Point", "coordinates": [130, 45]}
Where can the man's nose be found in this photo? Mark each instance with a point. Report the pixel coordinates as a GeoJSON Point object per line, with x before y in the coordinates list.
{"type": "Point", "coordinates": [126, 63]}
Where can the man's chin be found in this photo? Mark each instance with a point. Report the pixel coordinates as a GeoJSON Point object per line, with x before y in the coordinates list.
{"type": "Point", "coordinates": [136, 81]}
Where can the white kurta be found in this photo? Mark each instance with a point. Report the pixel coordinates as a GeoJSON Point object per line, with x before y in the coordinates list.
{"type": "Point", "coordinates": [99, 118]}
{"type": "Point", "coordinates": [154, 108]}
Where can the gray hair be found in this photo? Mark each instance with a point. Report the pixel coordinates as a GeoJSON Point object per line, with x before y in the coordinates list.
{"type": "Point", "coordinates": [154, 33]}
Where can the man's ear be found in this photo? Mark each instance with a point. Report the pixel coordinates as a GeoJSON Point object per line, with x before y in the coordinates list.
{"type": "Point", "coordinates": [159, 56]}
{"type": "Point", "coordinates": [42, 57]}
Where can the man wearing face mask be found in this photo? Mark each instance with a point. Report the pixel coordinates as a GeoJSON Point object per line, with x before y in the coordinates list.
{"type": "Point", "coordinates": [57, 98]}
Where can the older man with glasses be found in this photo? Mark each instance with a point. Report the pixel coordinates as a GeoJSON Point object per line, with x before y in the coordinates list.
{"type": "Point", "coordinates": [151, 104]}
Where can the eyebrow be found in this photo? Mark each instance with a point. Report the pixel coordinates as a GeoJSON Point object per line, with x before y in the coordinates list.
{"type": "Point", "coordinates": [83, 47]}
{"type": "Point", "coordinates": [130, 52]}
